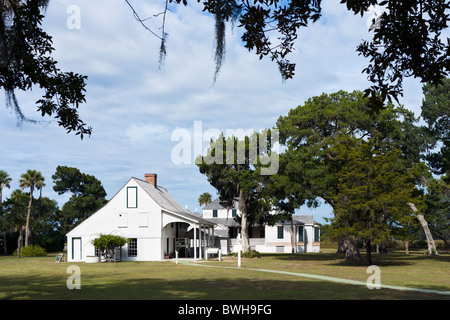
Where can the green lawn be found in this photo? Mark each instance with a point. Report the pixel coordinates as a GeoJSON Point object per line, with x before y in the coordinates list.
{"type": "Point", "coordinates": [42, 278]}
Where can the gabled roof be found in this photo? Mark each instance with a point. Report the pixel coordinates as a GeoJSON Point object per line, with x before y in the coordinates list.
{"type": "Point", "coordinates": [303, 218]}
{"type": "Point", "coordinates": [300, 219]}
{"type": "Point", "coordinates": [227, 222]}
{"type": "Point", "coordinates": [166, 202]}
{"type": "Point", "coordinates": [162, 198]}
{"type": "Point", "coordinates": [215, 205]}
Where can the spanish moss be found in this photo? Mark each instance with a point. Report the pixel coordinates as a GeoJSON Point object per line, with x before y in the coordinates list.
{"type": "Point", "coordinates": [11, 103]}
{"type": "Point", "coordinates": [223, 11]}
{"type": "Point", "coordinates": [219, 55]}
{"type": "Point", "coordinates": [162, 50]}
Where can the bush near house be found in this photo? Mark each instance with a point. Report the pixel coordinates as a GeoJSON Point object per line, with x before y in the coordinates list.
{"type": "Point", "coordinates": [107, 244]}
{"type": "Point", "coordinates": [248, 254]}
{"type": "Point", "coordinates": [31, 251]}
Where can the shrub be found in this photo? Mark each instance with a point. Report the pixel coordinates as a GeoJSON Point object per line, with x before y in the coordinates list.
{"type": "Point", "coordinates": [249, 254]}
{"type": "Point", "coordinates": [106, 245]}
{"type": "Point", "coordinates": [252, 254]}
{"type": "Point", "coordinates": [108, 241]}
{"type": "Point", "coordinates": [31, 251]}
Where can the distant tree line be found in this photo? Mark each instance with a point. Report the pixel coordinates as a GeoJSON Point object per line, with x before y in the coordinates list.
{"type": "Point", "coordinates": [28, 218]}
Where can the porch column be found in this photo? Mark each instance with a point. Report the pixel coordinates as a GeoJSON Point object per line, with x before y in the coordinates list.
{"type": "Point", "coordinates": [200, 242]}
{"type": "Point", "coordinates": [204, 238]}
{"type": "Point", "coordinates": [295, 237]}
{"type": "Point", "coordinates": [195, 241]}
{"type": "Point", "coordinates": [209, 236]}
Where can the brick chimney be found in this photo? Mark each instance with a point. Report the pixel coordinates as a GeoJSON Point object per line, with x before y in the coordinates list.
{"type": "Point", "coordinates": [151, 178]}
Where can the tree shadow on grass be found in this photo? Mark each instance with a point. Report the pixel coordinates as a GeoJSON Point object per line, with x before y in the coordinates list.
{"type": "Point", "coordinates": [337, 259]}
{"type": "Point", "coordinates": [258, 287]}
{"type": "Point", "coordinates": [395, 258]}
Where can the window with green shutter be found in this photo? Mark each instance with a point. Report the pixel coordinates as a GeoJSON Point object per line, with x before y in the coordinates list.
{"type": "Point", "coordinates": [214, 213]}
{"type": "Point", "coordinates": [233, 213]}
{"type": "Point", "coordinates": [316, 234]}
{"type": "Point", "coordinates": [132, 201]}
{"type": "Point", "coordinates": [280, 232]}
{"type": "Point", "coordinates": [301, 231]}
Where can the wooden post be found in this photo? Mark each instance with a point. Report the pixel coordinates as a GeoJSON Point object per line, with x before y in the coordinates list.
{"type": "Point", "coordinates": [209, 236]}
{"type": "Point", "coordinates": [239, 247]}
{"type": "Point", "coordinates": [200, 241]}
{"type": "Point", "coordinates": [205, 244]}
{"type": "Point", "coordinates": [239, 255]}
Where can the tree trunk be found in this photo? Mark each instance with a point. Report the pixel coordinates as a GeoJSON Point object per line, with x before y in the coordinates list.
{"type": "Point", "coordinates": [406, 247]}
{"type": "Point", "coordinates": [431, 245]}
{"type": "Point", "coordinates": [5, 249]}
{"type": "Point", "coordinates": [292, 235]}
{"type": "Point", "coordinates": [244, 223]}
{"type": "Point", "coordinates": [341, 246]}
{"type": "Point", "coordinates": [19, 242]}
{"type": "Point", "coordinates": [351, 249]}
{"type": "Point", "coordinates": [441, 236]}
{"type": "Point", "coordinates": [368, 252]}
{"type": "Point", "coordinates": [27, 228]}
{"type": "Point", "coordinates": [446, 242]}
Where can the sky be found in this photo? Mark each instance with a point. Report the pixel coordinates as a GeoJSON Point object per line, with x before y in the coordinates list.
{"type": "Point", "coordinates": [135, 105]}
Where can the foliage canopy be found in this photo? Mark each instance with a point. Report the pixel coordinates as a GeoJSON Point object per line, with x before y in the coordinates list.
{"type": "Point", "coordinates": [26, 62]}
{"type": "Point", "coordinates": [406, 42]}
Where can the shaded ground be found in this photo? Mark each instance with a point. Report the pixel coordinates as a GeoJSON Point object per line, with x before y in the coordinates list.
{"type": "Point", "coordinates": [42, 278]}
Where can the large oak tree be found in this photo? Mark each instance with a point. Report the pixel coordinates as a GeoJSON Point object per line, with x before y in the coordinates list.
{"type": "Point", "coordinates": [234, 167]}
{"type": "Point", "coordinates": [312, 132]}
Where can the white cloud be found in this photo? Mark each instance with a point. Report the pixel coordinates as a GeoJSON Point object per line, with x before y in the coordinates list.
{"type": "Point", "coordinates": [138, 133]}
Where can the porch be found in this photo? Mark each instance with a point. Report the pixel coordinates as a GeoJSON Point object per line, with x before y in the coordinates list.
{"type": "Point", "coordinates": [187, 239]}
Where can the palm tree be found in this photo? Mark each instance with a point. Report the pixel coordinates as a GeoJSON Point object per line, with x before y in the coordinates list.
{"type": "Point", "coordinates": [204, 198]}
{"type": "Point", "coordinates": [15, 208]}
{"type": "Point", "coordinates": [5, 179]}
{"type": "Point", "coordinates": [31, 179]}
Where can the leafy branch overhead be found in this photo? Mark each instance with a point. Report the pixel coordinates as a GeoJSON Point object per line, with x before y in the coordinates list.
{"type": "Point", "coordinates": [25, 63]}
{"type": "Point", "coordinates": [408, 41]}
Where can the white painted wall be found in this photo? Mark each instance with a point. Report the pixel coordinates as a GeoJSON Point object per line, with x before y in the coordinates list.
{"type": "Point", "coordinates": [271, 243]}
{"type": "Point", "coordinates": [143, 223]}
{"type": "Point", "coordinates": [271, 236]}
{"type": "Point", "coordinates": [221, 213]}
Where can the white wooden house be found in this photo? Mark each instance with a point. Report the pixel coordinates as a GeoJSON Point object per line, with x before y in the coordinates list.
{"type": "Point", "coordinates": [267, 239]}
{"type": "Point", "coordinates": [155, 224]}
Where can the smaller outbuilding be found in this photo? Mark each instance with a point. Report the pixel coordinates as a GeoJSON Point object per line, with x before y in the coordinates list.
{"type": "Point", "coordinates": [155, 225]}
